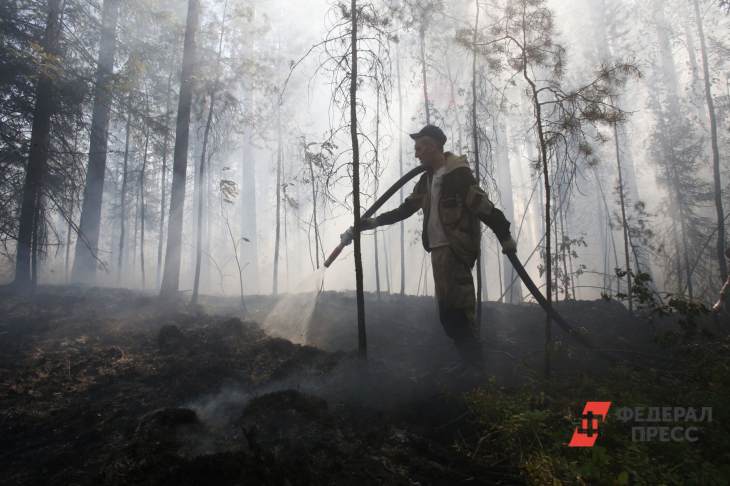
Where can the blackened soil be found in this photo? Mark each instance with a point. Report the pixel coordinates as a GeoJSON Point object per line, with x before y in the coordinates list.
{"type": "Point", "coordinates": [108, 387]}
{"type": "Point", "coordinates": [112, 387]}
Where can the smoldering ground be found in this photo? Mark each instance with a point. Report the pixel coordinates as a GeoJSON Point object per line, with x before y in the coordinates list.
{"type": "Point", "coordinates": [106, 387]}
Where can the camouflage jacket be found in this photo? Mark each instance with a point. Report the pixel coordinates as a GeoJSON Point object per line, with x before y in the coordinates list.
{"type": "Point", "coordinates": [462, 204]}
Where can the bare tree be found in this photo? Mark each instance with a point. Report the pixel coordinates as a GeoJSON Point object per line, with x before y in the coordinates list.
{"type": "Point", "coordinates": [123, 192]}
{"type": "Point", "coordinates": [722, 264]}
{"type": "Point", "coordinates": [26, 259]}
{"type": "Point", "coordinates": [361, 333]}
{"type": "Point", "coordinates": [171, 277]}
{"type": "Point", "coordinates": [163, 173]}
{"type": "Point", "coordinates": [87, 249]}
{"type": "Point", "coordinates": [475, 142]}
{"type": "Point", "coordinates": [204, 161]}
{"type": "Point", "coordinates": [524, 37]}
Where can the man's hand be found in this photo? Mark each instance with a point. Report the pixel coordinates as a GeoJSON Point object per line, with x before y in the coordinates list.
{"type": "Point", "coordinates": [365, 224]}
{"type": "Point", "coordinates": [509, 246]}
{"type": "Point", "coordinates": [717, 307]}
{"type": "Point", "coordinates": [346, 237]}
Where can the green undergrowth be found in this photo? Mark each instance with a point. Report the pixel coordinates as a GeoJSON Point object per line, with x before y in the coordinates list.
{"type": "Point", "coordinates": [530, 427]}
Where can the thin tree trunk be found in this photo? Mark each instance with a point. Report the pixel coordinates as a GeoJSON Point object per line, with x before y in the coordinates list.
{"type": "Point", "coordinates": [201, 205]}
{"type": "Point", "coordinates": [475, 141]}
{"type": "Point", "coordinates": [141, 200]}
{"type": "Point", "coordinates": [386, 254]}
{"type": "Point", "coordinates": [40, 140]}
{"type": "Point", "coordinates": [123, 193]}
{"type": "Point", "coordinates": [171, 277]}
{"type": "Point", "coordinates": [235, 255]}
{"type": "Point", "coordinates": [564, 253]}
{"type": "Point", "coordinates": [284, 211]}
{"type": "Point", "coordinates": [607, 232]}
{"type": "Point", "coordinates": [36, 242]}
{"type": "Point", "coordinates": [422, 45]}
{"type": "Point", "coordinates": [556, 270]}
{"type": "Point", "coordinates": [377, 147]}
{"type": "Point", "coordinates": [202, 192]}
{"type": "Point", "coordinates": [669, 72]}
{"type": "Point", "coordinates": [546, 184]}
{"type": "Point", "coordinates": [248, 204]}
{"type": "Point", "coordinates": [87, 247]}
{"type": "Point", "coordinates": [509, 277]}
{"type": "Point", "coordinates": [163, 182]}
{"type": "Point", "coordinates": [314, 208]}
{"type": "Point", "coordinates": [573, 277]}
{"type": "Point", "coordinates": [361, 333]}
{"type": "Point", "coordinates": [134, 236]}
{"type": "Point", "coordinates": [277, 236]}
{"type": "Point", "coordinates": [68, 249]}
{"type": "Point", "coordinates": [400, 168]}
{"type": "Point", "coordinates": [624, 222]}
{"type": "Point", "coordinates": [715, 149]}
{"type": "Point", "coordinates": [499, 279]}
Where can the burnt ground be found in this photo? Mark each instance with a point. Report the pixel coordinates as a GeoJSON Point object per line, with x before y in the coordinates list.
{"type": "Point", "coordinates": [108, 386]}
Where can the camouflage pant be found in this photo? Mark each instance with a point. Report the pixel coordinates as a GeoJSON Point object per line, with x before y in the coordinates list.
{"type": "Point", "coordinates": [456, 301]}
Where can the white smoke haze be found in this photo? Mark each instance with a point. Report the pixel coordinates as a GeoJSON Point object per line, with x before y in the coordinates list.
{"type": "Point", "coordinates": [280, 33]}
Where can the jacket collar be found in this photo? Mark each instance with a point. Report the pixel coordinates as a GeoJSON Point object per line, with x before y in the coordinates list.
{"type": "Point", "coordinates": [454, 161]}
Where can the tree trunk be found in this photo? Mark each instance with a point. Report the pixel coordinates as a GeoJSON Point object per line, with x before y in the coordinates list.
{"type": "Point", "coordinates": [134, 238]}
{"type": "Point", "coordinates": [669, 72]}
{"type": "Point", "coordinates": [715, 149]}
{"type": "Point", "coordinates": [87, 247]}
{"type": "Point", "coordinates": [314, 208]}
{"type": "Point", "coordinates": [201, 201]}
{"type": "Point", "coordinates": [67, 274]}
{"type": "Point", "coordinates": [546, 184]}
{"type": "Point", "coordinates": [422, 45]}
{"type": "Point", "coordinates": [624, 222]}
{"type": "Point", "coordinates": [400, 167]}
{"type": "Point", "coordinates": [386, 255]}
{"type": "Point", "coordinates": [202, 192]}
{"type": "Point", "coordinates": [35, 242]}
{"type": "Point", "coordinates": [142, 204]}
{"type": "Point", "coordinates": [564, 245]}
{"type": "Point", "coordinates": [248, 230]}
{"type": "Point", "coordinates": [475, 142]}
{"type": "Point", "coordinates": [163, 177]}
{"type": "Point", "coordinates": [277, 236]}
{"type": "Point", "coordinates": [377, 147]}
{"type": "Point", "coordinates": [40, 140]}
{"type": "Point", "coordinates": [504, 175]}
{"type": "Point", "coordinates": [171, 277]}
{"type": "Point", "coordinates": [123, 193]}
{"type": "Point", "coordinates": [284, 216]}
{"type": "Point", "coordinates": [362, 345]}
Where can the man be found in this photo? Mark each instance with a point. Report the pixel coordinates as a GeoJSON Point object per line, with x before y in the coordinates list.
{"type": "Point", "coordinates": [452, 205]}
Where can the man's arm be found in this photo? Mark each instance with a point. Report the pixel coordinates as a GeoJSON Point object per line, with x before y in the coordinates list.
{"type": "Point", "coordinates": [410, 205]}
{"type": "Point", "coordinates": [479, 204]}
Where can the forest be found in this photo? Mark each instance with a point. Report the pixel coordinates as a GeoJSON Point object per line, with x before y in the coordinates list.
{"type": "Point", "coordinates": [180, 304]}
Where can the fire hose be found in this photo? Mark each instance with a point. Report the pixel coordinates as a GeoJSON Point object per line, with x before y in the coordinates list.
{"type": "Point", "coordinates": [512, 256]}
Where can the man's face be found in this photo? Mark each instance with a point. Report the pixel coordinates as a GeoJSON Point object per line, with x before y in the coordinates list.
{"type": "Point", "coordinates": [426, 151]}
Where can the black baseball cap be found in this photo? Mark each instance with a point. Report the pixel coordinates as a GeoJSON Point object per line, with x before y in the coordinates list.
{"type": "Point", "coordinates": [430, 131]}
